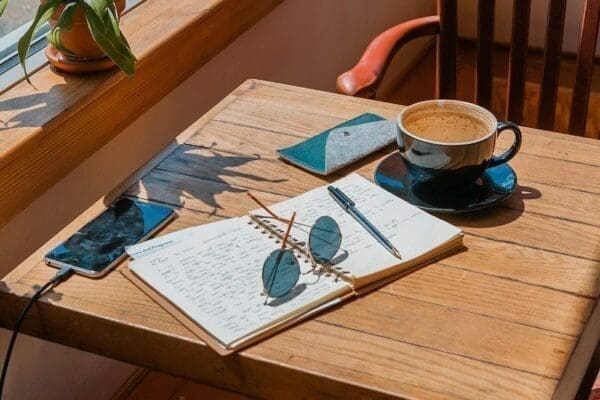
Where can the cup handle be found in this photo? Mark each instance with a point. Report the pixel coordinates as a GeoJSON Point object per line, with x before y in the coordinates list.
{"type": "Point", "coordinates": [514, 149]}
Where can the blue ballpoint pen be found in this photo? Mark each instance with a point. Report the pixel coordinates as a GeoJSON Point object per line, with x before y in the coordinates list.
{"type": "Point", "coordinates": [349, 206]}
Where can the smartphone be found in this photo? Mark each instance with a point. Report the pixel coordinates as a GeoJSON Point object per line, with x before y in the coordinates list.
{"type": "Point", "coordinates": [97, 247]}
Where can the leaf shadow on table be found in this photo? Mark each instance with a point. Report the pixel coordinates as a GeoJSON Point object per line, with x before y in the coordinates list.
{"type": "Point", "coordinates": [29, 109]}
{"type": "Point", "coordinates": [502, 214]}
{"type": "Point", "coordinates": [199, 178]}
{"type": "Point", "coordinates": [33, 109]}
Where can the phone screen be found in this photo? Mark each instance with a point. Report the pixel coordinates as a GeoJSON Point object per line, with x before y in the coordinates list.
{"type": "Point", "coordinates": [99, 243]}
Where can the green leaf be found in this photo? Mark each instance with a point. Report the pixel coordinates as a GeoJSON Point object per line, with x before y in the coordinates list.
{"type": "Point", "coordinates": [107, 37]}
{"type": "Point", "coordinates": [3, 4]}
{"type": "Point", "coordinates": [42, 16]}
{"type": "Point", "coordinates": [113, 18]}
{"type": "Point", "coordinates": [113, 8]}
{"type": "Point", "coordinates": [64, 23]}
{"type": "Point", "coordinates": [99, 6]}
{"type": "Point", "coordinates": [66, 18]}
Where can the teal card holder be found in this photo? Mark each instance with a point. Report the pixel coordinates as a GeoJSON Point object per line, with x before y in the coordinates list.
{"type": "Point", "coordinates": [341, 145]}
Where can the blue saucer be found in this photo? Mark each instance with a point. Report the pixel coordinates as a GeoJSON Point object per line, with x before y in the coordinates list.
{"type": "Point", "coordinates": [495, 186]}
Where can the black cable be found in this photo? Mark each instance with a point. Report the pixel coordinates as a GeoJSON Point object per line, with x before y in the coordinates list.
{"type": "Point", "coordinates": [60, 276]}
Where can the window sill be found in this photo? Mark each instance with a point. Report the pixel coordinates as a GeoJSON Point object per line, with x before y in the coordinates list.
{"type": "Point", "coordinates": [48, 130]}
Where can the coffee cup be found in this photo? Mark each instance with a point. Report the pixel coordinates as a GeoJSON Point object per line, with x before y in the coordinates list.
{"type": "Point", "coordinates": [451, 142]}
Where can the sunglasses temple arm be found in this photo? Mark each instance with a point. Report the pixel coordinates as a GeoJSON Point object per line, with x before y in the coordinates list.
{"type": "Point", "coordinates": [264, 207]}
{"type": "Point", "coordinates": [287, 231]}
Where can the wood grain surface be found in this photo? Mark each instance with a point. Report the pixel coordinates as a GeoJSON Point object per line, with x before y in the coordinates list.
{"type": "Point", "coordinates": [512, 317]}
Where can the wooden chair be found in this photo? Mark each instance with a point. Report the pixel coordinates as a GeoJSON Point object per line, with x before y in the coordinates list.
{"type": "Point", "coordinates": [364, 79]}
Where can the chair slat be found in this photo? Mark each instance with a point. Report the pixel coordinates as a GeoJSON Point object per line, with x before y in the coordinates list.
{"type": "Point", "coordinates": [518, 60]}
{"type": "Point", "coordinates": [585, 64]}
{"type": "Point", "coordinates": [446, 50]}
{"type": "Point", "coordinates": [485, 46]}
{"type": "Point", "coordinates": [551, 68]}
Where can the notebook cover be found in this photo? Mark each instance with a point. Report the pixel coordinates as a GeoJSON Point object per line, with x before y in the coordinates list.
{"type": "Point", "coordinates": [341, 145]}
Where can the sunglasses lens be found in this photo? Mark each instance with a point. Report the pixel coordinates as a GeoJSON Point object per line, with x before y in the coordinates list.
{"type": "Point", "coordinates": [280, 273]}
{"type": "Point", "coordinates": [325, 239]}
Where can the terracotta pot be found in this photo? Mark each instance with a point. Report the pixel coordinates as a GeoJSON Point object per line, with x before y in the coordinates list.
{"type": "Point", "coordinates": [88, 56]}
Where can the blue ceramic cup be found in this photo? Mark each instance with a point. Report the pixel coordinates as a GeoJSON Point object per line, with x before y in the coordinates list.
{"type": "Point", "coordinates": [451, 142]}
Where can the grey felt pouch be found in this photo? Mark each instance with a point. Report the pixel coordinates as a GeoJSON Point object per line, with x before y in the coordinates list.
{"type": "Point", "coordinates": [341, 145]}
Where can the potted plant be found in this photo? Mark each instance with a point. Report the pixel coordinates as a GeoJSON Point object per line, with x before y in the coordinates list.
{"type": "Point", "coordinates": [85, 35]}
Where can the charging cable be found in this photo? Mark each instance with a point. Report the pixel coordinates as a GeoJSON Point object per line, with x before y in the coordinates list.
{"type": "Point", "coordinates": [60, 276]}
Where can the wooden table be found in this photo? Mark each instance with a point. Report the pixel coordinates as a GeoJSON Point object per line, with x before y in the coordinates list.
{"type": "Point", "coordinates": [514, 317]}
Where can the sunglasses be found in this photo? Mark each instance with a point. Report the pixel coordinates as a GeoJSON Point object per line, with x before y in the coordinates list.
{"type": "Point", "coordinates": [281, 270]}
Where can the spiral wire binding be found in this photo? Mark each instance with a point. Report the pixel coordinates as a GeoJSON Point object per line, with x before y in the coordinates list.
{"type": "Point", "coordinates": [300, 247]}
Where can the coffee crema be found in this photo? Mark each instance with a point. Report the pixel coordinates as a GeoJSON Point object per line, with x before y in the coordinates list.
{"type": "Point", "coordinates": [439, 125]}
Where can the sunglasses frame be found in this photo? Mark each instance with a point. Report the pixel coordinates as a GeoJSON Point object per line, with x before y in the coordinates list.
{"type": "Point", "coordinates": [294, 246]}
{"type": "Point", "coordinates": [281, 251]}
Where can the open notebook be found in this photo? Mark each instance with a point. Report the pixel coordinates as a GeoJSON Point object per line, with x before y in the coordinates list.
{"type": "Point", "coordinates": [209, 277]}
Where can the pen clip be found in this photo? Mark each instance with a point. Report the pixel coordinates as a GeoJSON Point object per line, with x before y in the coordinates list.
{"type": "Point", "coordinates": [340, 197]}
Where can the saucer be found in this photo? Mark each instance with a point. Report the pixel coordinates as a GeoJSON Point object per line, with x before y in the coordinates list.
{"type": "Point", "coordinates": [75, 66]}
{"type": "Point", "coordinates": [495, 185]}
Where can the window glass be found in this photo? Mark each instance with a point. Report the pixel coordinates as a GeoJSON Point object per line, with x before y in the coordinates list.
{"type": "Point", "coordinates": [16, 14]}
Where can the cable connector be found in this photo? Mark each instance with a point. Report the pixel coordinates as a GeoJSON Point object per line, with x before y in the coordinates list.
{"type": "Point", "coordinates": [61, 275]}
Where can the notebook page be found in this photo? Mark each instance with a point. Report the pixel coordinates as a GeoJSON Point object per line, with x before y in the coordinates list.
{"type": "Point", "coordinates": [147, 247]}
{"type": "Point", "coordinates": [412, 231]}
{"type": "Point", "coordinates": [214, 277]}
